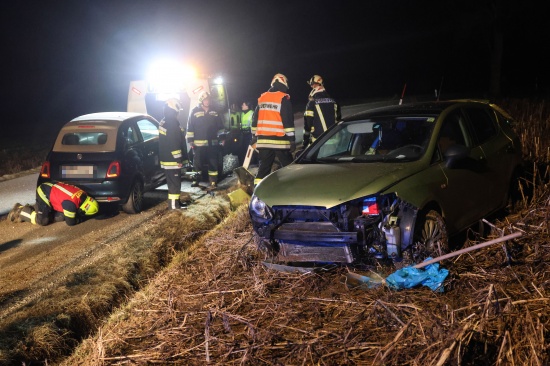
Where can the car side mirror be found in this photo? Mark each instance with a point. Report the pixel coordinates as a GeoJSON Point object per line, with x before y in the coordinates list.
{"type": "Point", "coordinates": [455, 154]}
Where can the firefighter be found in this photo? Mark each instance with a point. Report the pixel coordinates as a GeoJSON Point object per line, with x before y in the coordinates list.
{"type": "Point", "coordinates": [203, 128]}
{"type": "Point", "coordinates": [321, 112]}
{"type": "Point", "coordinates": [56, 202]}
{"type": "Point", "coordinates": [273, 127]}
{"type": "Point", "coordinates": [172, 151]}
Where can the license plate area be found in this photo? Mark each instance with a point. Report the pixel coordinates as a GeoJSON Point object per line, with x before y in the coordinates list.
{"type": "Point", "coordinates": [78, 171]}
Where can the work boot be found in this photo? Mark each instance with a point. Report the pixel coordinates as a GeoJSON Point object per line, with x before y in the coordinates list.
{"type": "Point", "coordinates": [13, 215]}
{"type": "Point", "coordinates": [27, 214]}
{"type": "Point", "coordinates": [196, 178]}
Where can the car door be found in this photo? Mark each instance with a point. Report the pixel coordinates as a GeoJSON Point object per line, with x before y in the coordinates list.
{"type": "Point", "coordinates": [498, 152]}
{"type": "Point", "coordinates": [149, 133]}
{"type": "Point", "coordinates": [466, 195]}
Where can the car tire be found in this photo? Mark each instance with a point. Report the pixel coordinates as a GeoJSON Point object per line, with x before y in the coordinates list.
{"type": "Point", "coordinates": [430, 237]}
{"type": "Point", "coordinates": [134, 204]}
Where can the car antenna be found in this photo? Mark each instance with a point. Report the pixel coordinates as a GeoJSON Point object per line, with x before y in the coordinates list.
{"type": "Point", "coordinates": [438, 93]}
{"type": "Point", "coordinates": [402, 94]}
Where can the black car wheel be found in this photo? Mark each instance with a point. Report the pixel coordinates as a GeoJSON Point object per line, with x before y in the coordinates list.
{"type": "Point", "coordinates": [430, 239]}
{"type": "Point", "coordinates": [134, 204]}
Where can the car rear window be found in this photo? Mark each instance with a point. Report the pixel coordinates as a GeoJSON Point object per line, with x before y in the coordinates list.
{"type": "Point", "coordinates": [84, 138]}
{"type": "Point", "coordinates": [72, 140]}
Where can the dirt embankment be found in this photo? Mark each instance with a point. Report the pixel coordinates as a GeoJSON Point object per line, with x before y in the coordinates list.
{"type": "Point", "coordinates": [58, 283]}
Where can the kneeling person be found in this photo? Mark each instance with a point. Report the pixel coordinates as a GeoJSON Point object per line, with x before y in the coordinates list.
{"type": "Point", "coordinates": [58, 201]}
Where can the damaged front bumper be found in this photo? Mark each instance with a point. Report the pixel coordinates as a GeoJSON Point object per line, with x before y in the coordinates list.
{"type": "Point", "coordinates": [342, 234]}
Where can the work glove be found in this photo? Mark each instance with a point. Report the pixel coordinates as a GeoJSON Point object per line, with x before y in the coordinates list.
{"type": "Point", "coordinates": [292, 146]}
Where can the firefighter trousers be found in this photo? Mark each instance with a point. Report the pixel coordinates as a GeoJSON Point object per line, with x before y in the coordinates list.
{"type": "Point", "coordinates": [266, 159]}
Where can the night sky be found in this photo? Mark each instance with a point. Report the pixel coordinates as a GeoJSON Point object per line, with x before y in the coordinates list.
{"type": "Point", "coordinates": [62, 59]}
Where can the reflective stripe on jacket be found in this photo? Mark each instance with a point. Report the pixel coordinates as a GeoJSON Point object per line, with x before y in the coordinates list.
{"type": "Point", "coordinates": [273, 127]}
{"type": "Point", "coordinates": [58, 193]}
{"type": "Point", "coordinates": [246, 119]}
{"type": "Point", "coordinates": [172, 147]}
{"type": "Point", "coordinates": [203, 127]}
{"type": "Point", "coordinates": [321, 113]}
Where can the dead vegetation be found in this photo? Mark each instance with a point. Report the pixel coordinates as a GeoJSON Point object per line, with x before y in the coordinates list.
{"type": "Point", "coordinates": [217, 304]}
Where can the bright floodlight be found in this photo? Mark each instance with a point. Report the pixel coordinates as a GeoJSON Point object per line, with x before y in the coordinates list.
{"type": "Point", "coordinates": [218, 80]}
{"type": "Point", "coordinates": [169, 76]}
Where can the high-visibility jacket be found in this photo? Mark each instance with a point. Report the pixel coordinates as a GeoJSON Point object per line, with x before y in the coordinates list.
{"type": "Point", "coordinates": [172, 146]}
{"type": "Point", "coordinates": [246, 120]}
{"type": "Point", "coordinates": [62, 197]}
{"type": "Point", "coordinates": [204, 127]}
{"type": "Point", "coordinates": [273, 124]}
{"type": "Point", "coordinates": [321, 112]}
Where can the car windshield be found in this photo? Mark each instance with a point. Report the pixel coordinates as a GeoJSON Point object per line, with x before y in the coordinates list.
{"type": "Point", "coordinates": [391, 139]}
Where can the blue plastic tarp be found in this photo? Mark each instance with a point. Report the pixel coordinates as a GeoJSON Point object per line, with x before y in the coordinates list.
{"type": "Point", "coordinates": [410, 277]}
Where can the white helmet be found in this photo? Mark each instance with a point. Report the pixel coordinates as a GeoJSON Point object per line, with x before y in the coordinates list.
{"type": "Point", "coordinates": [280, 78]}
{"type": "Point", "coordinates": [203, 95]}
{"type": "Point", "coordinates": [174, 104]}
{"type": "Point", "coordinates": [315, 79]}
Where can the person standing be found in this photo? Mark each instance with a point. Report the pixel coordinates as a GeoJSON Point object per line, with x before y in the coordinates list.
{"type": "Point", "coordinates": [172, 151]}
{"type": "Point", "coordinates": [273, 127]}
{"type": "Point", "coordinates": [321, 112]}
{"type": "Point", "coordinates": [56, 202]}
{"type": "Point", "coordinates": [203, 128]}
{"type": "Point", "coordinates": [246, 123]}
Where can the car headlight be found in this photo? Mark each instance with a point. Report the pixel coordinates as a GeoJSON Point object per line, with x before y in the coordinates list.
{"type": "Point", "coordinates": [259, 209]}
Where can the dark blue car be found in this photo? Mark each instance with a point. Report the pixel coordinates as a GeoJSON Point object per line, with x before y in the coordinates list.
{"type": "Point", "coordinates": [113, 156]}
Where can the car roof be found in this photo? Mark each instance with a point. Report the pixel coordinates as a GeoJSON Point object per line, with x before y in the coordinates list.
{"type": "Point", "coordinates": [108, 116]}
{"type": "Point", "coordinates": [413, 108]}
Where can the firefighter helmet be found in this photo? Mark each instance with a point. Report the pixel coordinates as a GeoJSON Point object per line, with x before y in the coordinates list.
{"type": "Point", "coordinates": [89, 206]}
{"type": "Point", "coordinates": [315, 79]}
{"type": "Point", "coordinates": [174, 104]}
{"type": "Point", "coordinates": [280, 78]}
{"type": "Point", "coordinates": [203, 95]}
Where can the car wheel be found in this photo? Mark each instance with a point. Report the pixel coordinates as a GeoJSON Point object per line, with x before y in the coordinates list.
{"type": "Point", "coordinates": [430, 238]}
{"type": "Point", "coordinates": [134, 204]}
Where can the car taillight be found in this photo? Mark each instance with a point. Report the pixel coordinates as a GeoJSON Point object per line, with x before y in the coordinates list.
{"type": "Point", "coordinates": [370, 206]}
{"type": "Point", "coordinates": [114, 170]}
{"type": "Point", "coordinates": [45, 170]}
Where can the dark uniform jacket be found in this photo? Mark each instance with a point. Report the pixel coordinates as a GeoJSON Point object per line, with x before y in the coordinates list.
{"type": "Point", "coordinates": [203, 127]}
{"type": "Point", "coordinates": [320, 107]}
{"type": "Point", "coordinates": [172, 146]}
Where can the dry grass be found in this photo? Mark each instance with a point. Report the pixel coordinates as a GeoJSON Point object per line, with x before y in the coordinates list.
{"type": "Point", "coordinates": [19, 154]}
{"type": "Point", "coordinates": [217, 304]}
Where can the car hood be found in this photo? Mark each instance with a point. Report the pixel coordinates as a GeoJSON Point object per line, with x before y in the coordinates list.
{"type": "Point", "coordinates": [330, 185]}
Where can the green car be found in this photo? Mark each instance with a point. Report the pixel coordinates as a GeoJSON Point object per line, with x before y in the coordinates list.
{"type": "Point", "coordinates": [392, 182]}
